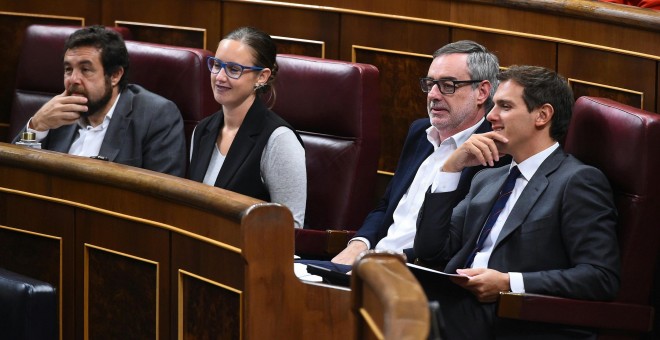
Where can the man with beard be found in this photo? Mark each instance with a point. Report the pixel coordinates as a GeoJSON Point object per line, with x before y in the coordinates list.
{"type": "Point", "coordinates": [100, 115]}
{"type": "Point", "coordinates": [459, 85]}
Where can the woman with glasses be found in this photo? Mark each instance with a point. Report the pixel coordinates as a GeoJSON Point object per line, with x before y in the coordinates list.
{"type": "Point", "coordinates": [245, 147]}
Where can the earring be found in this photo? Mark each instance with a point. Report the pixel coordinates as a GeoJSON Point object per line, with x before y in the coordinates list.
{"type": "Point", "coordinates": [258, 86]}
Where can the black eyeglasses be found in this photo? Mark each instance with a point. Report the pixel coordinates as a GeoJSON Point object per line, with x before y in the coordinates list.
{"type": "Point", "coordinates": [233, 70]}
{"type": "Point", "coordinates": [446, 86]}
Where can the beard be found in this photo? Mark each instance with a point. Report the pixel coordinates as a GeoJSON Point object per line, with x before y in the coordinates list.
{"type": "Point", "coordinates": [94, 106]}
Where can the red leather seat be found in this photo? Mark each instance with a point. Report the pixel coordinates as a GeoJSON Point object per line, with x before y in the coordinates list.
{"type": "Point", "coordinates": [623, 142]}
{"type": "Point", "coordinates": [177, 73]}
{"type": "Point", "coordinates": [334, 106]}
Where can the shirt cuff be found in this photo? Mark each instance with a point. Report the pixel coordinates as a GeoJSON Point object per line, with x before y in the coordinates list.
{"type": "Point", "coordinates": [361, 239]}
{"type": "Point", "coordinates": [38, 135]}
{"type": "Point", "coordinates": [445, 181]}
{"type": "Point", "coordinates": [516, 282]}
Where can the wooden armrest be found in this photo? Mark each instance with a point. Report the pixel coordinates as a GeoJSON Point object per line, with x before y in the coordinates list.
{"type": "Point", "coordinates": [595, 314]}
{"type": "Point", "coordinates": [321, 243]}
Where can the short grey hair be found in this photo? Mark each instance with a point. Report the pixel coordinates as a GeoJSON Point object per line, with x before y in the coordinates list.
{"type": "Point", "coordinates": [482, 64]}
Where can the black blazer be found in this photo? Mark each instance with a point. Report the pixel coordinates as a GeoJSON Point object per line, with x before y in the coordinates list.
{"type": "Point", "coordinates": [241, 171]}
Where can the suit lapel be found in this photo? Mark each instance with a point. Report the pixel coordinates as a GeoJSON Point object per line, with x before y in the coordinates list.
{"type": "Point", "coordinates": [203, 148]}
{"type": "Point", "coordinates": [243, 143]}
{"type": "Point", "coordinates": [63, 138]}
{"type": "Point", "coordinates": [530, 195]}
{"type": "Point", "coordinates": [118, 127]}
{"type": "Point", "coordinates": [481, 204]}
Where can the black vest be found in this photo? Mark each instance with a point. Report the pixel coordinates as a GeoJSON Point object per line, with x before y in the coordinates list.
{"type": "Point", "coordinates": [241, 171]}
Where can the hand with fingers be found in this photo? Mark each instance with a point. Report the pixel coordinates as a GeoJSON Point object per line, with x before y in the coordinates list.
{"type": "Point", "coordinates": [62, 109]}
{"type": "Point", "coordinates": [479, 149]}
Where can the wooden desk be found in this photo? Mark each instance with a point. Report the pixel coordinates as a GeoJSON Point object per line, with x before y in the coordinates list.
{"type": "Point", "coordinates": [138, 253]}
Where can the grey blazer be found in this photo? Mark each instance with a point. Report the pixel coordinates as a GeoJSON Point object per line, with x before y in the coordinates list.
{"type": "Point", "coordinates": [560, 234]}
{"type": "Point", "coordinates": [146, 131]}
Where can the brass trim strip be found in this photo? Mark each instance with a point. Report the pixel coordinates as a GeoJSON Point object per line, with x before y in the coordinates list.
{"type": "Point", "coordinates": [318, 42]}
{"type": "Point", "coordinates": [218, 284]}
{"type": "Point", "coordinates": [449, 24]}
{"type": "Point", "coordinates": [60, 291]}
{"type": "Point", "coordinates": [125, 217]}
{"type": "Point", "coordinates": [86, 284]}
{"type": "Point", "coordinates": [385, 173]}
{"type": "Point", "coordinates": [641, 94]}
{"type": "Point", "coordinates": [146, 24]}
{"type": "Point", "coordinates": [372, 324]}
{"type": "Point", "coordinates": [20, 14]}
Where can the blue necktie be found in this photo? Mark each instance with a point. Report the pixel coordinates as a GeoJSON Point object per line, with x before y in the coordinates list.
{"type": "Point", "coordinates": [505, 192]}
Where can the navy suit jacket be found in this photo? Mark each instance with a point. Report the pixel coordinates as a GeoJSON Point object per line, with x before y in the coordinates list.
{"type": "Point", "coordinates": [415, 150]}
{"type": "Point", "coordinates": [146, 131]}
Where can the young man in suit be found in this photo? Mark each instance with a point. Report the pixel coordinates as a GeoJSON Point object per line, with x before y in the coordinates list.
{"type": "Point", "coordinates": [459, 84]}
{"type": "Point", "coordinates": [100, 115]}
{"type": "Point", "coordinates": [552, 231]}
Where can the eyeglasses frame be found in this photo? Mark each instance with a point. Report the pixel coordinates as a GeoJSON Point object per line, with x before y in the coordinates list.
{"type": "Point", "coordinates": [436, 82]}
{"type": "Point", "coordinates": [223, 65]}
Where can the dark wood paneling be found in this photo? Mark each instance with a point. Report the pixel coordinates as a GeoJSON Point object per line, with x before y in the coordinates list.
{"type": "Point", "coordinates": [609, 69]}
{"type": "Point", "coordinates": [511, 50]}
{"type": "Point", "coordinates": [210, 311]}
{"type": "Point", "coordinates": [586, 29]}
{"type": "Point", "coordinates": [88, 9]}
{"type": "Point", "coordinates": [284, 22]}
{"type": "Point", "coordinates": [390, 34]}
{"type": "Point", "coordinates": [168, 35]}
{"type": "Point", "coordinates": [301, 47]}
{"type": "Point", "coordinates": [116, 277]}
{"type": "Point", "coordinates": [402, 101]}
{"type": "Point", "coordinates": [596, 90]}
{"type": "Point", "coordinates": [12, 30]}
{"type": "Point", "coordinates": [204, 14]}
{"type": "Point", "coordinates": [121, 295]}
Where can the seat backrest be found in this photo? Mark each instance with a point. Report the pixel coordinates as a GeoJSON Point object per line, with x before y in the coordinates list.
{"type": "Point", "coordinates": [176, 73]}
{"type": "Point", "coordinates": [624, 142]}
{"type": "Point", "coordinates": [334, 106]}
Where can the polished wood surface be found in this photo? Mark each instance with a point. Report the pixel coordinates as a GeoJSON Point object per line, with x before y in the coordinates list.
{"type": "Point", "coordinates": [137, 252]}
{"type": "Point", "coordinates": [606, 49]}
{"type": "Point", "coordinates": [388, 302]}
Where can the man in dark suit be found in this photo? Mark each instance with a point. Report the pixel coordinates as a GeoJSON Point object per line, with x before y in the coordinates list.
{"type": "Point", "coordinates": [100, 115]}
{"type": "Point", "coordinates": [551, 232]}
{"type": "Point", "coordinates": [459, 85]}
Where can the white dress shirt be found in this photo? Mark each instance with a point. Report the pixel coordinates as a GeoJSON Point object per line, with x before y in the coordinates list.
{"type": "Point", "coordinates": [401, 234]}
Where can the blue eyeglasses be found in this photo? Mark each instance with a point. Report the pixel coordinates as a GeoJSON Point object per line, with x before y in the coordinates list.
{"type": "Point", "coordinates": [233, 70]}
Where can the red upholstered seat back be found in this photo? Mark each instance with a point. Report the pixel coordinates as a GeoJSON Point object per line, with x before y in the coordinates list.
{"type": "Point", "coordinates": [624, 142]}
{"type": "Point", "coordinates": [176, 73]}
{"type": "Point", "coordinates": [334, 106]}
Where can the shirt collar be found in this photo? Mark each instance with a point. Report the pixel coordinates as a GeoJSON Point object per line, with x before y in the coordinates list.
{"type": "Point", "coordinates": [529, 166]}
{"type": "Point", "coordinates": [459, 138]}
